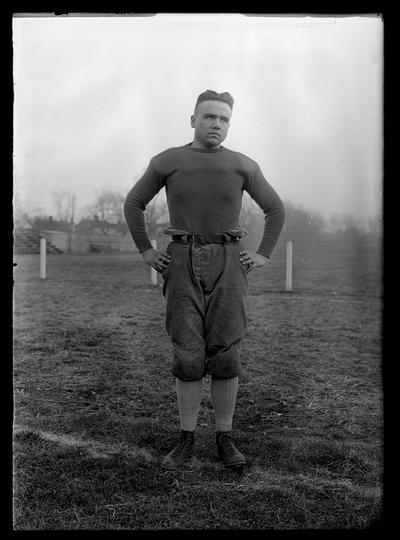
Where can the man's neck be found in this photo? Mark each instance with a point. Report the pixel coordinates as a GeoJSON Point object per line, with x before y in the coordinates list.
{"type": "Point", "coordinates": [196, 144]}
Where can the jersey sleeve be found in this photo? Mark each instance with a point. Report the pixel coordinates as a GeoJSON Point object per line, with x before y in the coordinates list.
{"type": "Point", "coordinates": [135, 204]}
{"type": "Point", "coordinates": [271, 204]}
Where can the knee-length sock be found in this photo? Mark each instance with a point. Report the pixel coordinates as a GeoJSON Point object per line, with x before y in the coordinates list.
{"type": "Point", "coordinates": [189, 398]}
{"type": "Point", "coordinates": [223, 396]}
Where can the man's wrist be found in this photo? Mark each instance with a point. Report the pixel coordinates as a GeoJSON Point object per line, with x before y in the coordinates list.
{"type": "Point", "coordinates": [143, 251]}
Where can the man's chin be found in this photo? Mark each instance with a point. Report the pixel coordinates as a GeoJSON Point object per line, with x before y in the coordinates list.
{"type": "Point", "coordinates": [213, 142]}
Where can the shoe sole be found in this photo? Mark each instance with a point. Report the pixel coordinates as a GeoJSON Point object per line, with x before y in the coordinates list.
{"type": "Point", "coordinates": [239, 463]}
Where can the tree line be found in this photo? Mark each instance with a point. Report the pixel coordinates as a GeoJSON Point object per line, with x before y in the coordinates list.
{"type": "Point", "coordinates": [301, 224]}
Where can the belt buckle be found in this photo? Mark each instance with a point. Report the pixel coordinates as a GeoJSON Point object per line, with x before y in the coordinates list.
{"type": "Point", "coordinates": [203, 240]}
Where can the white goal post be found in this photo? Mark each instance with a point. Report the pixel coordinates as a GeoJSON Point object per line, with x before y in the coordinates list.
{"type": "Point", "coordinates": [42, 258]}
{"type": "Point", "coordinates": [289, 266]}
{"type": "Point", "coordinates": [153, 271]}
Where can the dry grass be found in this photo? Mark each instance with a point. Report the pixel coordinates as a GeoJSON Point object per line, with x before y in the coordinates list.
{"type": "Point", "coordinates": [95, 406]}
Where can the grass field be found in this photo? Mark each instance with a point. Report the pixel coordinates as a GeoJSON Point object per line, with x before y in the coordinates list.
{"type": "Point", "coordinates": [95, 406]}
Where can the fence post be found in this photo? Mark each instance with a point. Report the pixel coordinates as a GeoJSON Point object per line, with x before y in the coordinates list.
{"type": "Point", "coordinates": [153, 272]}
{"type": "Point", "coordinates": [289, 265]}
{"type": "Point", "coordinates": [43, 258]}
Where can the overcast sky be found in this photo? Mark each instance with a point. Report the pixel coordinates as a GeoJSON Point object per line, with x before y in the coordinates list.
{"type": "Point", "coordinates": [96, 97]}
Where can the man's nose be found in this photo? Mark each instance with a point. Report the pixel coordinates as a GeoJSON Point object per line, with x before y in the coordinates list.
{"type": "Point", "coordinates": [216, 123]}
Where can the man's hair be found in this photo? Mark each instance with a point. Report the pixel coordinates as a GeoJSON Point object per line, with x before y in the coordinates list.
{"type": "Point", "coordinates": [210, 95]}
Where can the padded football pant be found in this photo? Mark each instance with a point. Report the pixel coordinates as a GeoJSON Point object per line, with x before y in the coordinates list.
{"type": "Point", "coordinates": [205, 287]}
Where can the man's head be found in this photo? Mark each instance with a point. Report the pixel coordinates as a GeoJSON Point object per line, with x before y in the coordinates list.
{"type": "Point", "coordinates": [210, 95]}
{"type": "Point", "coordinates": [211, 119]}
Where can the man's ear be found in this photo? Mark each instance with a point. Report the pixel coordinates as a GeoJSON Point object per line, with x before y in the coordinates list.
{"type": "Point", "coordinates": [192, 120]}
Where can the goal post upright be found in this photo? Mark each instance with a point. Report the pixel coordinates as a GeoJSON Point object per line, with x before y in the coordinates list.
{"type": "Point", "coordinates": [42, 258]}
{"type": "Point", "coordinates": [153, 271]}
{"type": "Point", "coordinates": [289, 266]}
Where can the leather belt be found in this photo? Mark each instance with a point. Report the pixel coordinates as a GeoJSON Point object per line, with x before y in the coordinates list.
{"type": "Point", "coordinates": [203, 238]}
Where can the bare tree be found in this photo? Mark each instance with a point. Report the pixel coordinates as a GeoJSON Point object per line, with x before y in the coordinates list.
{"type": "Point", "coordinates": [374, 228]}
{"type": "Point", "coordinates": [26, 219]}
{"type": "Point", "coordinates": [108, 206]}
{"type": "Point", "coordinates": [345, 227]}
{"type": "Point", "coordinates": [302, 224]}
{"type": "Point", "coordinates": [65, 203]}
{"type": "Point", "coordinates": [24, 215]}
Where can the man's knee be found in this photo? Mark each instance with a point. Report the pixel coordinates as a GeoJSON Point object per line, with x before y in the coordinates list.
{"type": "Point", "coordinates": [225, 364]}
{"type": "Point", "coordinates": [189, 369]}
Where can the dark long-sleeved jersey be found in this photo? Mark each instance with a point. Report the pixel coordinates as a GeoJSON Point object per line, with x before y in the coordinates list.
{"type": "Point", "coordinates": [204, 194]}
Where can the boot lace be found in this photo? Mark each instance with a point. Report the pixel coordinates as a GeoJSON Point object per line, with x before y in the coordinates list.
{"type": "Point", "coordinates": [184, 445]}
{"type": "Point", "coordinates": [226, 445]}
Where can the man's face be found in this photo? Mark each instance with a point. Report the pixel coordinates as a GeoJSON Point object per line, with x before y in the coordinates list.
{"type": "Point", "coordinates": [211, 123]}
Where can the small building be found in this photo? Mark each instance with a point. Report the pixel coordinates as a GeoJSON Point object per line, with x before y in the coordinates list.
{"type": "Point", "coordinates": [50, 224]}
{"type": "Point", "coordinates": [88, 236]}
{"type": "Point", "coordinates": [100, 236]}
{"type": "Point", "coordinates": [57, 233]}
{"type": "Point", "coordinates": [98, 226]}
